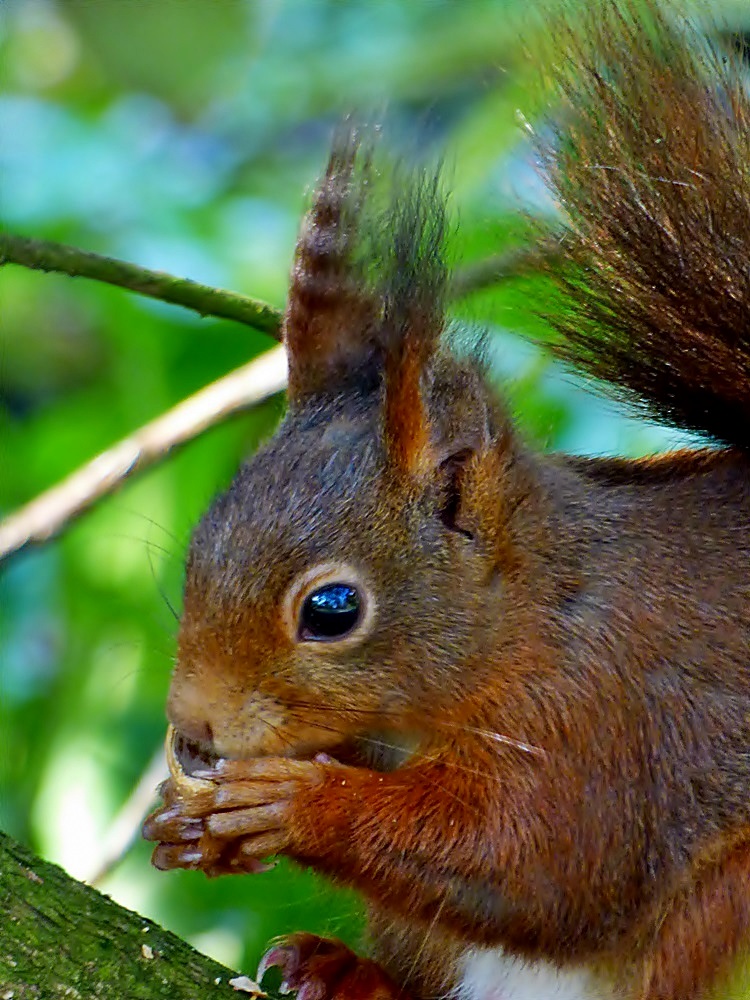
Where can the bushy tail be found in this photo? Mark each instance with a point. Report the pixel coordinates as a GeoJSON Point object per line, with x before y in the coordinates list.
{"type": "Point", "coordinates": [651, 164]}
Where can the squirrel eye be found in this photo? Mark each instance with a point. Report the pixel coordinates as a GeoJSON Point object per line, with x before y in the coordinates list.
{"type": "Point", "coordinates": [330, 612]}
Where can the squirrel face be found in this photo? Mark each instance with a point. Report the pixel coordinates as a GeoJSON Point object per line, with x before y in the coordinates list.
{"type": "Point", "coordinates": [321, 599]}
{"type": "Point", "coordinates": [335, 589]}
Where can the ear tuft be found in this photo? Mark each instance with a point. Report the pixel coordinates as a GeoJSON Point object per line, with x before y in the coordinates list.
{"type": "Point", "coordinates": [367, 293]}
{"type": "Point", "coordinates": [331, 314]}
{"type": "Point", "coordinates": [414, 302]}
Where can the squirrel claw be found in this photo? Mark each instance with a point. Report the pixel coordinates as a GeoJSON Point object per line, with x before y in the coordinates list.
{"type": "Point", "coordinates": [274, 958]}
{"type": "Point", "coordinates": [166, 857]}
{"type": "Point", "coordinates": [169, 825]}
{"type": "Point", "coordinates": [325, 969]}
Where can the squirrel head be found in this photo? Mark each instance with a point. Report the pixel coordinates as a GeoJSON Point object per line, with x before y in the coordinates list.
{"type": "Point", "coordinates": [334, 590]}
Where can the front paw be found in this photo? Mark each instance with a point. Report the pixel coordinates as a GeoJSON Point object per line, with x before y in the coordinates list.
{"type": "Point", "coordinates": [186, 842]}
{"type": "Point", "coordinates": [253, 803]}
{"type": "Point", "coordinates": [325, 969]}
{"type": "Point", "coordinates": [182, 839]}
{"type": "Point", "coordinates": [240, 815]}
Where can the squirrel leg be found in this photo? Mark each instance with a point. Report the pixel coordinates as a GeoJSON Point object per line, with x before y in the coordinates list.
{"type": "Point", "coordinates": [325, 969]}
{"type": "Point", "coordinates": [703, 932]}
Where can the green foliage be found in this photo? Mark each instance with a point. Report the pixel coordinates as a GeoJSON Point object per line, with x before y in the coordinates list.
{"type": "Point", "coordinates": [183, 135]}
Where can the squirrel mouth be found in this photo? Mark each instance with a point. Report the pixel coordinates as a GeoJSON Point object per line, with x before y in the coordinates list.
{"type": "Point", "coordinates": [191, 755]}
{"type": "Point", "coordinates": [186, 756]}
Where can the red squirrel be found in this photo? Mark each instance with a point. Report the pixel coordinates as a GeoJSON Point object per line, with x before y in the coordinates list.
{"type": "Point", "coordinates": [504, 694]}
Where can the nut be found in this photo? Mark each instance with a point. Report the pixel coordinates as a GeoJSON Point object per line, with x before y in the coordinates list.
{"type": "Point", "coordinates": [187, 786]}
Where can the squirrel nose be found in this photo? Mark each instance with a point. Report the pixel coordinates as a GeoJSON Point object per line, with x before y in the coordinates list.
{"type": "Point", "coordinates": [187, 715]}
{"type": "Point", "coordinates": [199, 732]}
{"type": "Point", "coordinates": [195, 730]}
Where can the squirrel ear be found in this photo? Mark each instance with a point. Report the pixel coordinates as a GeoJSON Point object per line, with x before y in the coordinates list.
{"type": "Point", "coordinates": [467, 436]}
{"type": "Point", "coordinates": [331, 317]}
{"type": "Point", "coordinates": [452, 477]}
{"type": "Point", "coordinates": [367, 293]}
{"type": "Point", "coordinates": [413, 319]}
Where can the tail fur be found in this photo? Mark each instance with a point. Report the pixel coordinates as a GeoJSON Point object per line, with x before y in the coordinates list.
{"type": "Point", "coordinates": [651, 164]}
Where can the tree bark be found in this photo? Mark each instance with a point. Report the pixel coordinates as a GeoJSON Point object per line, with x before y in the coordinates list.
{"type": "Point", "coordinates": [61, 939]}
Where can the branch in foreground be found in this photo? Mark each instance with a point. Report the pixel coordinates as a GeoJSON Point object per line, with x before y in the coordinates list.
{"type": "Point", "coordinates": [59, 937]}
{"type": "Point", "coordinates": [45, 516]}
{"type": "Point", "coordinates": [44, 255]}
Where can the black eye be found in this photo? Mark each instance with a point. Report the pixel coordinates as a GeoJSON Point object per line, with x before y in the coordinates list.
{"type": "Point", "coordinates": [330, 612]}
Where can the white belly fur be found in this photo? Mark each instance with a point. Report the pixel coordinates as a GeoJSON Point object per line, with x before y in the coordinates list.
{"type": "Point", "coordinates": [491, 974]}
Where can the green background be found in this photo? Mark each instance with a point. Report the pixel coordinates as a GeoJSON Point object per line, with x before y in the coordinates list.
{"type": "Point", "coordinates": [183, 135]}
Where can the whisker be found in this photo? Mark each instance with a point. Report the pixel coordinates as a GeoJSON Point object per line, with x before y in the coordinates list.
{"type": "Point", "coordinates": [493, 735]}
{"type": "Point", "coordinates": [274, 729]}
{"type": "Point", "coordinates": [169, 554]}
{"type": "Point", "coordinates": [430, 758]}
{"type": "Point", "coordinates": [158, 585]}
{"type": "Point", "coordinates": [420, 951]}
{"type": "Point", "coordinates": [505, 740]}
{"type": "Point", "coordinates": [180, 542]}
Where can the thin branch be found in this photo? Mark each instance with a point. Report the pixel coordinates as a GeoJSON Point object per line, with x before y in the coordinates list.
{"type": "Point", "coordinates": [45, 516]}
{"type": "Point", "coordinates": [49, 513]}
{"type": "Point", "coordinates": [124, 828]}
{"type": "Point", "coordinates": [44, 255]}
{"type": "Point", "coordinates": [531, 258]}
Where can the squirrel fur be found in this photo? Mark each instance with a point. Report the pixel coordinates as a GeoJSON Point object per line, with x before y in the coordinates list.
{"type": "Point", "coordinates": [531, 752]}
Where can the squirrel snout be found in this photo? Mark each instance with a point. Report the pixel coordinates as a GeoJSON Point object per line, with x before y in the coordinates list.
{"type": "Point", "coordinates": [195, 730]}
{"type": "Point", "coordinates": [194, 726]}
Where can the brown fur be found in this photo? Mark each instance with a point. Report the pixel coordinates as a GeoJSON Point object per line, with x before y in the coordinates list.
{"type": "Point", "coordinates": [652, 165]}
{"type": "Point", "coordinates": [561, 647]}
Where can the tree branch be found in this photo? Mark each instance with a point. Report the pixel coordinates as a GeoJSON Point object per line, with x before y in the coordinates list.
{"type": "Point", "coordinates": [114, 953]}
{"type": "Point", "coordinates": [45, 516]}
{"type": "Point", "coordinates": [44, 255]}
{"type": "Point", "coordinates": [50, 512]}
{"type": "Point", "coordinates": [530, 258]}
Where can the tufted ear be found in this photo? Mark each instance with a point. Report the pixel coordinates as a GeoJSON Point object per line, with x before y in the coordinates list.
{"type": "Point", "coordinates": [452, 477]}
{"type": "Point", "coordinates": [413, 319]}
{"type": "Point", "coordinates": [331, 316]}
{"type": "Point", "coordinates": [367, 294]}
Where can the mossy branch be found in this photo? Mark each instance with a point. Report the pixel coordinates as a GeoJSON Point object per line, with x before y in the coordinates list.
{"type": "Point", "coordinates": [111, 952]}
{"type": "Point", "coordinates": [44, 255]}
